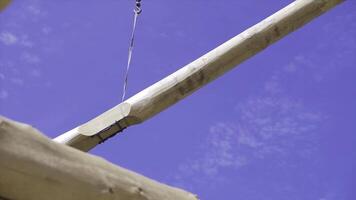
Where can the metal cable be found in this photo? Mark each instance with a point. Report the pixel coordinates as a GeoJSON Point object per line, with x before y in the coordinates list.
{"type": "Point", "coordinates": [137, 11]}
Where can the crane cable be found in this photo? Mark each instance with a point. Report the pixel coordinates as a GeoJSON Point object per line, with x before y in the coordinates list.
{"type": "Point", "coordinates": [137, 12]}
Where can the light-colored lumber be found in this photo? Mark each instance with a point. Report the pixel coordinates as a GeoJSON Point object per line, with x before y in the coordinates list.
{"type": "Point", "coordinates": [32, 167]}
{"type": "Point", "coordinates": [205, 69]}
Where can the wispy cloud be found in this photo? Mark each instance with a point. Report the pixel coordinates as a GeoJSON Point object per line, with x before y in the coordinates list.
{"type": "Point", "coordinates": [30, 58]}
{"type": "Point", "coordinates": [8, 38]}
{"type": "Point", "coordinates": [34, 9]}
{"type": "Point", "coordinates": [266, 127]}
{"type": "Point", "coordinates": [22, 65]}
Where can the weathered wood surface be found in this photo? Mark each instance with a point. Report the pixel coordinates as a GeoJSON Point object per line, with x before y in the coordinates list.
{"type": "Point", "coordinates": [180, 84]}
{"type": "Point", "coordinates": [4, 4]}
{"type": "Point", "coordinates": [32, 167]}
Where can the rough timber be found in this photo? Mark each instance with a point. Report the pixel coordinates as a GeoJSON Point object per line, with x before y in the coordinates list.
{"type": "Point", "coordinates": [33, 167]}
{"type": "Point", "coordinates": [205, 69]}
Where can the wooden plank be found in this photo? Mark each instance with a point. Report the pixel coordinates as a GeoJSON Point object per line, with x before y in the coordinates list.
{"type": "Point", "coordinates": [33, 167]}
{"type": "Point", "coordinates": [205, 69]}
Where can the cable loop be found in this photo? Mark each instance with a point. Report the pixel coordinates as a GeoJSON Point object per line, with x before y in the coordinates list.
{"type": "Point", "coordinates": [138, 8]}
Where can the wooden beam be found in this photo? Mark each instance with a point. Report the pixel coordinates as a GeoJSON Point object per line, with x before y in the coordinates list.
{"type": "Point", "coordinates": [33, 167]}
{"type": "Point", "coordinates": [205, 69]}
{"type": "Point", "coordinates": [4, 4]}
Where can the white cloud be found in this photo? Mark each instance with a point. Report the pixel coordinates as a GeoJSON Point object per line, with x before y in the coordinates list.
{"type": "Point", "coordinates": [267, 127]}
{"type": "Point", "coordinates": [8, 38]}
{"type": "Point", "coordinates": [26, 67]}
{"type": "Point", "coordinates": [34, 9]}
{"type": "Point", "coordinates": [30, 58]}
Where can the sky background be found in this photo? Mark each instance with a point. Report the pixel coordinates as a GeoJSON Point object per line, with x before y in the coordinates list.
{"type": "Point", "coordinates": [281, 126]}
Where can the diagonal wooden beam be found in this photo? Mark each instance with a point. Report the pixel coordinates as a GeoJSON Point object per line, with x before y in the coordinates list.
{"type": "Point", "coordinates": [205, 69]}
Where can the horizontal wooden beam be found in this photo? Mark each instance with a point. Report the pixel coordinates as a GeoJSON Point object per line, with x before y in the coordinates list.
{"type": "Point", "coordinates": [186, 80]}
{"type": "Point", "coordinates": [32, 167]}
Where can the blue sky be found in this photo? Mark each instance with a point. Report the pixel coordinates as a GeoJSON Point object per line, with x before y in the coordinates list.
{"type": "Point", "coordinates": [280, 126]}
